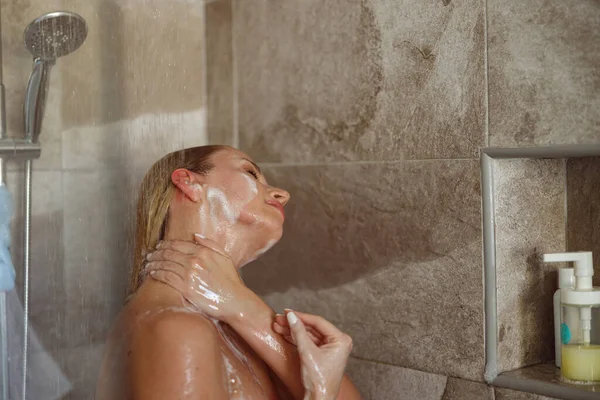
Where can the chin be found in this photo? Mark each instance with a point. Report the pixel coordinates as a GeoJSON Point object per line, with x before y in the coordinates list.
{"type": "Point", "coordinates": [275, 230]}
{"type": "Point", "coordinates": [270, 228]}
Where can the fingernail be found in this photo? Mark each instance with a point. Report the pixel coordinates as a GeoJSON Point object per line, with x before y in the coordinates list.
{"type": "Point", "coordinates": [291, 317]}
{"type": "Point", "coordinates": [200, 236]}
{"type": "Point", "coordinates": [148, 256]}
{"type": "Point", "coordinates": [152, 272]}
{"type": "Point", "coordinates": [279, 315]}
{"type": "Point", "coordinates": [160, 242]}
{"type": "Point", "coordinates": [287, 309]}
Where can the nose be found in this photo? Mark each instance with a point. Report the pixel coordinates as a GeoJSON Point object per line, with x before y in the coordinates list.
{"type": "Point", "coordinates": [280, 195]}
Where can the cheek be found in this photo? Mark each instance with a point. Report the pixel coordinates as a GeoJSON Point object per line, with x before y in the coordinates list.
{"type": "Point", "coordinates": [242, 190]}
{"type": "Point", "coordinates": [250, 201]}
{"type": "Point", "coordinates": [219, 206]}
{"type": "Point", "coordinates": [232, 201]}
{"type": "Point", "coordinates": [252, 185]}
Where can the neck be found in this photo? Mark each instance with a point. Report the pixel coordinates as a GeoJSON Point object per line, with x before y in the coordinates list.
{"type": "Point", "coordinates": [231, 242]}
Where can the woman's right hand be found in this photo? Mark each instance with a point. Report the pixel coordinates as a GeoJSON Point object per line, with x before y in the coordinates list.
{"type": "Point", "coordinates": [323, 351]}
{"type": "Point", "coordinates": [204, 275]}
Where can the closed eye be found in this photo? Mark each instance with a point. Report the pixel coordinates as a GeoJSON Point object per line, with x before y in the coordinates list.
{"type": "Point", "coordinates": [253, 173]}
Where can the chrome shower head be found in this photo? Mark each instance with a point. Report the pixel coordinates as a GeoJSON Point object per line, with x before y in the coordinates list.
{"type": "Point", "coordinates": [55, 34]}
{"type": "Point", "coordinates": [48, 37]}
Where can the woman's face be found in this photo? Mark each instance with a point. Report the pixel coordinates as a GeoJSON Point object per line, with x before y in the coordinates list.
{"type": "Point", "coordinates": [238, 204]}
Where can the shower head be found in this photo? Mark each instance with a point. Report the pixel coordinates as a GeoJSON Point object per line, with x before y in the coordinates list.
{"type": "Point", "coordinates": [55, 34]}
{"type": "Point", "coordinates": [48, 37]}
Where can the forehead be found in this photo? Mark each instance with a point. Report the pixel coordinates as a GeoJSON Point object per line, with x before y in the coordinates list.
{"type": "Point", "coordinates": [228, 155]}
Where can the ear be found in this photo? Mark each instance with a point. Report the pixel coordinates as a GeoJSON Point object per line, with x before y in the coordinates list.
{"type": "Point", "coordinates": [188, 183]}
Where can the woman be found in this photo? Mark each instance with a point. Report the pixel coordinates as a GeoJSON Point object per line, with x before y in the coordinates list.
{"type": "Point", "coordinates": [196, 331]}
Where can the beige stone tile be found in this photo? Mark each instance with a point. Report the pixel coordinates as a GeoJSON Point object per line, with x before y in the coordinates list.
{"type": "Point", "coordinates": [98, 229]}
{"type": "Point", "coordinates": [391, 253]}
{"type": "Point", "coordinates": [583, 208]}
{"type": "Point", "coordinates": [219, 72]}
{"type": "Point", "coordinates": [139, 58]}
{"type": "Point", "coordinates": [507, 394]}
{"type": "Point", "coordinates": [135, 143]}
{"type": "Point", "coordinates": [544, 80]}
{"type": "Point", "coordinates": [193, 128]}
{"type": "Point", "coordinates": [459, 389]}
{"type": "Point", "coordinates": [359, 80]}
{"type": "Point", "coordinates": [530, 221]}
{"type": "Point", "coordinates": [380, 381]}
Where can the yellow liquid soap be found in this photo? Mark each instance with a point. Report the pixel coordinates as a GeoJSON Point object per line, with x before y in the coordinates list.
{"type": "Point", "coordinates": [581, 362]}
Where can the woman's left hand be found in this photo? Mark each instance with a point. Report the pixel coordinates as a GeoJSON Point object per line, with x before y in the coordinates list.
{"type": "Point", "coordinates": [202, 273]}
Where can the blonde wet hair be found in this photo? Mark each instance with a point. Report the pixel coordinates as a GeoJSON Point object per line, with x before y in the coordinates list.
{"type": "Point", "coordinates": [155, 195]}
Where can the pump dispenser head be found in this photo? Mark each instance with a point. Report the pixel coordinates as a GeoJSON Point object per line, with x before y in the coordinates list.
{"type": "Point", "coordinates": [566, 278]}
{"type": "Point", "coordinates": [584, 266]}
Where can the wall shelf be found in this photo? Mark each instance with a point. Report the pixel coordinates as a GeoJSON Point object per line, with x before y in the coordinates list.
{"type": "Point", "coordinates": [545, 379]}
{"type": "Point", "coordinates": [502, 367]}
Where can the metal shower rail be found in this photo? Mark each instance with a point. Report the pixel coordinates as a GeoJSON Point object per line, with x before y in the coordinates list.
{"type": "Point", "coordinates": [15, 149]}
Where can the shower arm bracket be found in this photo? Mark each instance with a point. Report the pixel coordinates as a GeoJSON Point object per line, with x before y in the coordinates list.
{"type": "Point", "coordinates": [19, 149]}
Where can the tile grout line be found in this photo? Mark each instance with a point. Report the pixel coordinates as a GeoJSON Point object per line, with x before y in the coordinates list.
{"type": "Point", "coordinates": [266, 165]}
{"type": "Point", "coordinates": [486, 74]}
{"type": "Point", "coordinates": [234, 78]}
{"type": "Point", "coordinates": [358, 162]}
{"type": "Point", "coordinates": [205, 72]}
{"type": "Point", "coordinates": [388, 364]}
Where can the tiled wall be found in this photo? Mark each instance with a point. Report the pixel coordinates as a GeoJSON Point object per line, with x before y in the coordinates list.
{"type": "Point", "coordinates": [530, 222]}
{"type": "Point", "coordinates": [134, 91]}
{"type": "Point", "coordinates": [372, 113]}
{"type": "Point", "coordinates": [543, 72]}
{"type": "Point", "coordinates": [583, 208]}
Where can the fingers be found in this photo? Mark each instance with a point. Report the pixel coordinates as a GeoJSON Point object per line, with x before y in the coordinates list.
{"type": "Point", "coordinates": [299, 334]}
{"type": "Point", "coordinates": [181, 246]}
{"type": "Point", "coordinates": [286, 333]}
{"type": "Point", "coordinates": [281, 320]}
{"type": "Point", "coordinates": [169, 277]}
{"type": "Point", "coordinates": [211, 244]}
{"type": "Point", "coordinates": [176, 256]}
{"type": "Point", "coordinates": [290, 339]}
{"type": "Point", "coordinates": [319, 324]}
{"type": "Point", "coordinates": [201, 247]}
{"type": "Point", "coordinates": [319, 329]}
{"type": "Point", "coordinates": [174, 267]}
{"type": "Point", "coordinates": [282, 326]}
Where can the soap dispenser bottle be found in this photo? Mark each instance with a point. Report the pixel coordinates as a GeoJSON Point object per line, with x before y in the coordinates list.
{"type": "Point", "coordinates": [566, 280]}
{"type": "Point", "coordinates": [580, 349]}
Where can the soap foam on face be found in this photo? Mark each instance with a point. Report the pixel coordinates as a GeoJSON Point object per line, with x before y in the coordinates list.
{"type": "Point", "coordinates": [220, 205]}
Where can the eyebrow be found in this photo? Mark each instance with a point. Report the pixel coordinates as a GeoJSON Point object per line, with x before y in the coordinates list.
{"type": "Point", "coordinates": [253, 163]}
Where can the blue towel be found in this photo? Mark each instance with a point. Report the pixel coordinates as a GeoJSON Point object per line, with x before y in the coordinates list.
{"type": "Point", "coordinates": [7, 271]}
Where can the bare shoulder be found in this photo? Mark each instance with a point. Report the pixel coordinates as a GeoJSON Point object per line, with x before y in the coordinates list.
{"type": "Point", "coordinates": [175, 325]}
{"type": "Point", "coordinates": [173, 334]}
{"type": "Point", "coordinates": [172, 353]}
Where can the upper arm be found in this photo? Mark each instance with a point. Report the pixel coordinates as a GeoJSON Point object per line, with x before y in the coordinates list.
{"type": "Point", "coordinates": [176, 356]}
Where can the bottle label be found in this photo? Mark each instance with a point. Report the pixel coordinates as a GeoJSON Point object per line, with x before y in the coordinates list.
{"type": "Point", "coordinates": [565, 333]}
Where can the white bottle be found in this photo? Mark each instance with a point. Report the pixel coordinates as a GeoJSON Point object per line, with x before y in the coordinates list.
{"type": "Point", "coordinates": [566, 280]}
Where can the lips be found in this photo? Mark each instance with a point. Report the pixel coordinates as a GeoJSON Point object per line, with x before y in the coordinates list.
{"type": "Point", "coordinates": [278, 206]}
